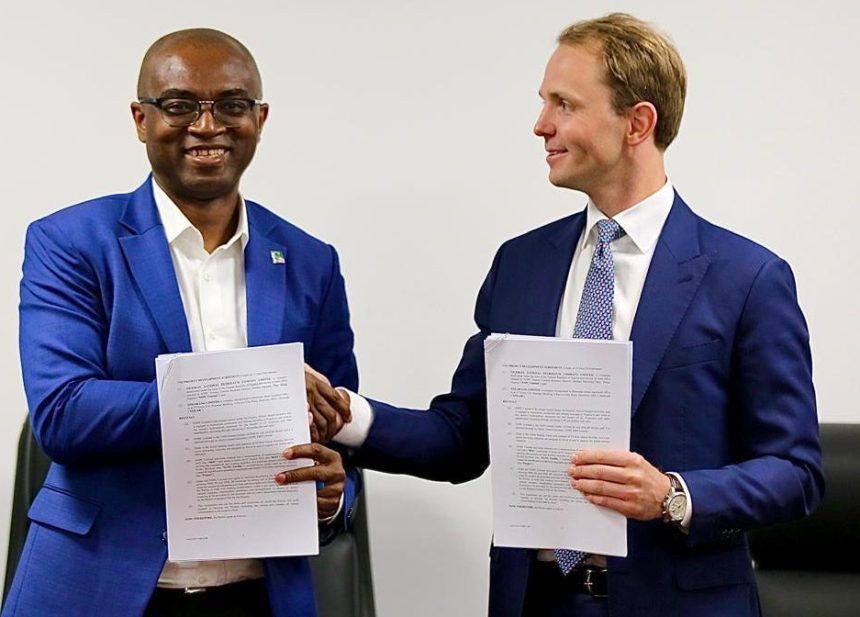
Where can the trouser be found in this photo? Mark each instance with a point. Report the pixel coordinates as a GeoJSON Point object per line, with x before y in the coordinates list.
{"type": "Point", "coordinates": [244, 599]}
{"type": "Point", "coordinates": [550, 594]}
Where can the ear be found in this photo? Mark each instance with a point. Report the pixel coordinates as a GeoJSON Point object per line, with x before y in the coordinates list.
{"type": "Point", "coordinates": [262, 114]}
{"type": "Point", "coordinates": [139, 116]}
{"type": "Point", "coordinates": [643, 122]}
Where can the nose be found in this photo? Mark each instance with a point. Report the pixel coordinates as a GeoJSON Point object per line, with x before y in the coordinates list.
{"type": "Point", "coordinates": [205, 122]}
{"type": "Point", "coordinates": [543, 127]}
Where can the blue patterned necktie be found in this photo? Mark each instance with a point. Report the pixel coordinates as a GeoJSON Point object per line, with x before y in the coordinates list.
{"type": "Point", "coordinates": [594, 320]}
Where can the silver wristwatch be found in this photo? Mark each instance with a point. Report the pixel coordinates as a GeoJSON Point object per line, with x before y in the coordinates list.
{"type": "Point", "coordinates": [675, 502]}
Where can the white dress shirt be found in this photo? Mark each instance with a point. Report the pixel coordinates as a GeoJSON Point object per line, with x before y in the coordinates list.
{"type": "Point", "coordinates": [632, 256]}
{"type": "Point", "coordinates": [212, 287]}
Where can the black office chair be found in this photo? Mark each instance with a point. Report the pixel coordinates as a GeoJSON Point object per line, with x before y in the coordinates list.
{"type": "Point", "coordinates": [343, 583]}
{"type": "Point", "coordinates": [812, 566]}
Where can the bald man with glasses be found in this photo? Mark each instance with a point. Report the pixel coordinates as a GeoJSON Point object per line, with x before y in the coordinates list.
{"type": "Point", "coordinates": [184, 263]}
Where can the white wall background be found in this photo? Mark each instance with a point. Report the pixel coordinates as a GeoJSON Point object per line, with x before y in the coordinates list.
{"type": "Point", "coordinates": [400, 131]}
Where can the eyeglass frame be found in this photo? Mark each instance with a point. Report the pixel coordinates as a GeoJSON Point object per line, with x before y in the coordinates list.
{"type": "Point", "coordinates": [157, 102]}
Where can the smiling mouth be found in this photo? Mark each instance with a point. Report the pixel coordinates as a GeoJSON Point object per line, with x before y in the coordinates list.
{"type": "Point", "coordinates": [554, 154]}
{"type": "Point", "coordinates": [206, 154]}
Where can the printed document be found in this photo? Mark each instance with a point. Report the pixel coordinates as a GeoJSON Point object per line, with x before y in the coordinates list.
{"type": "Point", "coordinates": [226, 418]}
{"type": "Point", "coordinates": [548, 398]}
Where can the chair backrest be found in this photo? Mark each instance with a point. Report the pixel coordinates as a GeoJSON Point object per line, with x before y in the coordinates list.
{"type": "Point", "coordinates": [343, 582]}
{"type": "Point", "coordinates": [30, 471]}
{"type": "Point", "coordinates": [829, 540]}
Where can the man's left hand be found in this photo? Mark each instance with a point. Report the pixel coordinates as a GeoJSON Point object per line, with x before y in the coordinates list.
{"type": "Point", "coordinates": [620, 480]}
{"type": "Point", "coordinates": [327, 468]}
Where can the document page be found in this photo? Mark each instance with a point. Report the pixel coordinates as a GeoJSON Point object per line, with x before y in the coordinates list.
{"type": "Point", "coordinates": [226, 418]}
{"type": "Point", "coordinates": [548, 398]}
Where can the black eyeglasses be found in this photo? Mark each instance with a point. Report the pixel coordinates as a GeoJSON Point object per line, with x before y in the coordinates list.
{"type": "Point", "coordinates": [178, 112]}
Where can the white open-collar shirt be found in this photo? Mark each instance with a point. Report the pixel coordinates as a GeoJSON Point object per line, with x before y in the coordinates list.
{"type": "Point", "coordinates": [212, 287]}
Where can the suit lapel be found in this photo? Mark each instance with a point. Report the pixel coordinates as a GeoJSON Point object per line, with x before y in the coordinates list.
{"type": "Point", "coordinates": [676, 271]}
{"type": "Point", "coordinates": [549, 276]}
{"type": "Point", "coordinates": [148, 259]}
{"type": "Point", "coordinates": [265, 281]}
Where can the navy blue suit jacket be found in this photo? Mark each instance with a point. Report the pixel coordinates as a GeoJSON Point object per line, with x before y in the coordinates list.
{"type": "Point", "coordinates": [722, 392]}
{"type": "Point", "coordinates": [99, 301]}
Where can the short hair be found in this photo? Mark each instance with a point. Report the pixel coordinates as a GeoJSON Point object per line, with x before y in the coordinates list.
{"type": "Point", "coordinates": [197, 37]}
{"type": "Point", "coordinates": [641, 64]}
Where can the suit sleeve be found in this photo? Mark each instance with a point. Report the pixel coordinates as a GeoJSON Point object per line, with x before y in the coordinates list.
{"type": "Point", "coordinates": [78, 414]}
{"type": "Point", "coordinates": [448, 441]}
{"type": "Point", "coordinates": [331, 352]}
{"type": "Point", "coordinates": [771, 393]}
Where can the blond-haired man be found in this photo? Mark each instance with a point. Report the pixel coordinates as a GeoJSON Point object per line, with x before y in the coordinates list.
{"type": "Point", "coordinates": [722, 391]}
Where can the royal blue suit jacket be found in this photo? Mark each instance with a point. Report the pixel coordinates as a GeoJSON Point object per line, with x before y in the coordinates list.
{"type": "Point", "coordinates": [722, 392]}
{"type": "Point", "coordinates": [99, 301]}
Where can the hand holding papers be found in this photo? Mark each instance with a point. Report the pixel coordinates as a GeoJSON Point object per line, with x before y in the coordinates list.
{"type": "Point", "coordinates": [226, 418]}
{"type": "Point", "coordinates": [548, 398]}
{"type": "Point", "coordinates": [327, 469]}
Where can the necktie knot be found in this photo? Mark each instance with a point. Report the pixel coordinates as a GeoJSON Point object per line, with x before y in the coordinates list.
{"type": "Point", "coordinates": [608, 230]}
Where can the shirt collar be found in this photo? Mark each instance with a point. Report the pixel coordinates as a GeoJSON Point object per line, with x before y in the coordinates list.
{"type": "Point", "coordinates": [176, 224]}
{"type": "Point", "coordinates": [641, 222]}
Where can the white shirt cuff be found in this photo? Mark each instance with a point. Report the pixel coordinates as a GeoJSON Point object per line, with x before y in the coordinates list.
{"type": "Point", "coordinates": [330, 519]}
{"type": "Point", "coordinates": [355, 431]}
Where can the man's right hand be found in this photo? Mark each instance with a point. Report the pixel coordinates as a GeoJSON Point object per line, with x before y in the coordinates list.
{"type": "Point", "coordinates": [328, 409]}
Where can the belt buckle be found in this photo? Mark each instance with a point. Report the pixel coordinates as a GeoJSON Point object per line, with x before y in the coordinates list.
{"type": "Point", "coordinates": [589, 584]}
{"type": "Point", "coordinates": [192, 590]}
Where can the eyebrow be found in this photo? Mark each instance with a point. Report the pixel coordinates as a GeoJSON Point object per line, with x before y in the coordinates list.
{"type": "Point", "coordinates": [559, 95]}
{"type": "Point", "coordinates": [234, 92]}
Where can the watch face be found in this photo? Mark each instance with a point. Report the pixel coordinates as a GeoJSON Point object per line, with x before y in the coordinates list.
{"type": "Point", "coordinates": [677, 507]}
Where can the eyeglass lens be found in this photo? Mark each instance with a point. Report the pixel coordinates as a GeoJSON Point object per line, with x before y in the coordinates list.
{"type": "Point", "coordinates": [227, 112]}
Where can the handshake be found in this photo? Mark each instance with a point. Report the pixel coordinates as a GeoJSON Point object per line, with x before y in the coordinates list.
{"type": "Point", "coordinates": [328, 408]}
